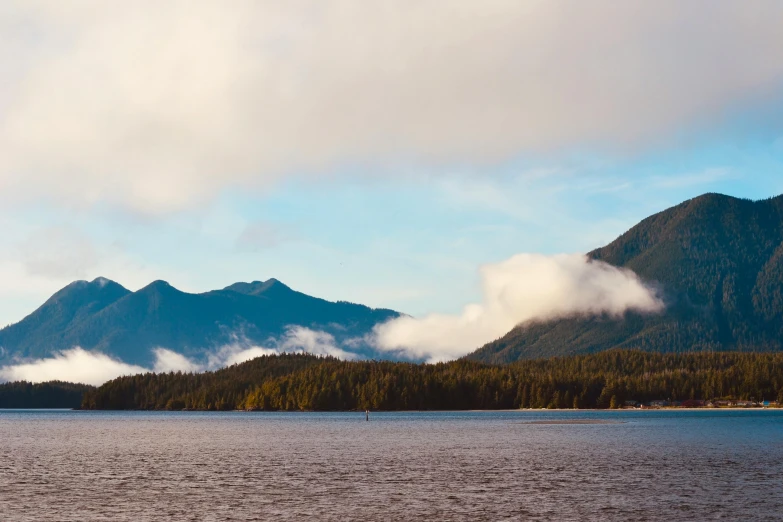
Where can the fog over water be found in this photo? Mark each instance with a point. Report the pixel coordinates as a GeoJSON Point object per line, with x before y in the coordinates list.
{"type": "Point", "coordinates": [672, 465]}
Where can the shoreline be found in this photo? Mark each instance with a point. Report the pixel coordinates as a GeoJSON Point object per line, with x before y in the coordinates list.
{"type": "Point", "coordinates": [591, 410]}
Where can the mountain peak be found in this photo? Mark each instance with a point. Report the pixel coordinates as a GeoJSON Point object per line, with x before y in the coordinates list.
{"type": "Point", "coordinates": [158, 284]}
{"type": "Point", "coordinates": [101, 281]}
{"type": "Point", "coordinates": [94, 287]}
{"type": "Point", "coordinates": [257, 287]}
{"type": "Point", "coordinates": [716, 199]}
{"type": "Point", "coordinates": [104, 284]}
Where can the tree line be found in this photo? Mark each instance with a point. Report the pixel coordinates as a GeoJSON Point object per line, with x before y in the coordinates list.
{"type": "Point", "coordinates": [301, 382]}
{"type": "Point", "coordinates": [53, 394]}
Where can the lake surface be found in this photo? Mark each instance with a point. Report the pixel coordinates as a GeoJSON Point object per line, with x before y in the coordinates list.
{"type": "Point", "coordinates": [642, 465]}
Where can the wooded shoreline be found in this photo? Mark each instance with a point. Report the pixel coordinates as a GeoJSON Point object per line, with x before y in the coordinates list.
{"type": "Point", "coordinates": [300, 382]}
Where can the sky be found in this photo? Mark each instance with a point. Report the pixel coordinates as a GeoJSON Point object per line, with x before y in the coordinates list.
{"type": "Point", "coordinates": [378, 152]}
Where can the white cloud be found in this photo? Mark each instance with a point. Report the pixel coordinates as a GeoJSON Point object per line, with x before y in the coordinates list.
{"type": "Point", "coordinates": [238, 352]}
{"type": "Point", "coordinates": [296, 339]}
{"type": "Point", "coordinates": [170, 361]}
{"type": "Point", "coordinates": [157, 106]}
{"type": "Point", "coordinates": [301, 339]}
{"type": "Point", "coordinates": [75, 365]}
{"type": "Point", "coordinates": [246, 354]}
{"type": "Point", "coordinates": [527, 287]}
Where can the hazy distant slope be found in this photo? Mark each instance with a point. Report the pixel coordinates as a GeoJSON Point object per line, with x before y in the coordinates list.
{"type": "Point", "coordinates": [101, 315]}
{"type": "Point", "coordinates": [719, 262]}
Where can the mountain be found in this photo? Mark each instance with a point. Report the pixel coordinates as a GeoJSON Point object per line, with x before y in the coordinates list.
{"type": "Point", "coordinates": [102, 315]}
{"type": "Point", "coordinates": [718, 261]}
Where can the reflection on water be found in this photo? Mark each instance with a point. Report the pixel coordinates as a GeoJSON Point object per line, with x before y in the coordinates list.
{"type": "Point", "coordinates": [697, 465]}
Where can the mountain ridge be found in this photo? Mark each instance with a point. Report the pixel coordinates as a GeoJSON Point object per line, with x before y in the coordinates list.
{"type": "Point", "coordinates": [101, 315]}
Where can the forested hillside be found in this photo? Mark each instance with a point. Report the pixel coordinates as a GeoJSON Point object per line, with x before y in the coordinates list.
{"type": "Point", "coordinates": [304, 382]}
{"type": "Point", "coordinates": [718, 262]}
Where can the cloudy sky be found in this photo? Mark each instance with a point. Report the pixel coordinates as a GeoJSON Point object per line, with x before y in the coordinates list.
{"type": "Point", "coordinates": [378, 152]}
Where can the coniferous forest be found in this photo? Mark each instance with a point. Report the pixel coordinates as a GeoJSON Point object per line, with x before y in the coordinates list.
{"type": "Point", "coordinates": [300, 382]}
{"type": "Point", "coordinates": [53, 394]}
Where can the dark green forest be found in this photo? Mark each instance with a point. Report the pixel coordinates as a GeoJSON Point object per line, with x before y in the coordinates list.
{"type": "Point", "coordinates": [53, 394]}
{"type": "Point", "coordinates": [300, 382]}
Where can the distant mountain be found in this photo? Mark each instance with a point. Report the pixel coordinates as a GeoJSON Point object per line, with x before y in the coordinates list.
{"type": "Point", "coordinates": [102, 315]}
{"type": "Point", "coordinates": [718, 261]}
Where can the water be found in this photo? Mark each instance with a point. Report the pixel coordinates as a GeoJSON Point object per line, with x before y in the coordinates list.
{"type": "Point", "coordinates": [668, 465]}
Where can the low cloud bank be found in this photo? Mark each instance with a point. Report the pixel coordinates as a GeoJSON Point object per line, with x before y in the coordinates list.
{"type": "Point", "coordinates": [75, 365]}
{"type": "Point", "coordinates": [170, 361]}
{"type": "Point", "coordinates": [300, 339]}
{"type": "Point", "coordinates": [79, 365]}
{"type": "Point", "coordinates": [297, 339]}
{"type": "Point", "coordinates": [524, 288]}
